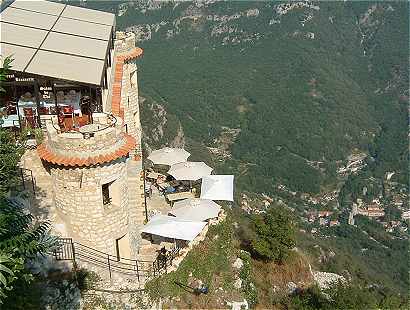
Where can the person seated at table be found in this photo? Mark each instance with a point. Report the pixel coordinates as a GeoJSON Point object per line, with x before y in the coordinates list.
{"type": "Point", "coordinates": [61, 119]}
{"type": "Point", "coordinates": [161, 179]}
{"type": "Point", "coordinates": [170, 189]}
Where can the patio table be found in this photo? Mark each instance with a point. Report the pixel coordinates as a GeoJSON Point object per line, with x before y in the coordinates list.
{"type": "Point", "coordinates": [179, 196]}
{"type": "Point", "coordinates": [153, 175]}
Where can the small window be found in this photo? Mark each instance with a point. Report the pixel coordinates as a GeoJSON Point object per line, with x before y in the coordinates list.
{"type": "Point", "coordinates": [111, 194]}
{"type": "Point", "coordinates": [107, 199]}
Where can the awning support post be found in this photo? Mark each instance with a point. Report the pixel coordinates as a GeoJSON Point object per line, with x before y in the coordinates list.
{"type": "Point", "coordinates": [37, 95]}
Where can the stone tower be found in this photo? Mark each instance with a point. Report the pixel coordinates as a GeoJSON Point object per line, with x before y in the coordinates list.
{"type": "Point", "coordinates": [89, 177]}
{"type": "Point", "coordinates": [95, 172]}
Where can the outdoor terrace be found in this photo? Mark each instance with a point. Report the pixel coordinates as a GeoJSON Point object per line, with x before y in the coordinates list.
{"type": "Point", "coordinates": [102, 140]}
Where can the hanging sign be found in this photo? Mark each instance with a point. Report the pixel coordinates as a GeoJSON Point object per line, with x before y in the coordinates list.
{"type": "Point", "coordinates": [45, 90]}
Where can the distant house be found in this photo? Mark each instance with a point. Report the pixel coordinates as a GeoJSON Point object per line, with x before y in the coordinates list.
{"type": "Point", "coordinates": [405, 215]}
{"type": "Point", "coordinates": [334, 223]}
{"type": "Point", "coordinates": [324, 213]}
{"type": "Point", "coordinates": [323, 221]}
{"type": "Point", "coordinates": [397, 200]}
{"type": "Point", "coordinates": [371, 212]}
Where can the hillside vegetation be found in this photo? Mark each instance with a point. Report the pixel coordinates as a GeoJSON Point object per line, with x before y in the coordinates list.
{"type": "Point", "coordinates": [300, 102]}
{"type": "Point", "coordinates": [306, 83]}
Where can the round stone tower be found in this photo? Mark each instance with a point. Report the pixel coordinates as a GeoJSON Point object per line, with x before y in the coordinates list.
{"type": "Point", "coordinates": [89, 173]}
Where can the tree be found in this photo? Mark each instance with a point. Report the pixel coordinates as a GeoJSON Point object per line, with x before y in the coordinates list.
{"type": "Point", "coordinates": [342, 296]}
{"type": "Point", "coordinates": [274, 235]}
{"type": "Point", "coordinates": [21, 239]}
{"type": "Point", "coordinates": [10, 153]}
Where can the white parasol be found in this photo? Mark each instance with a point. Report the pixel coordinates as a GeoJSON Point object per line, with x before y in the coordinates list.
{"type": "Point", "coordinates": [195, 209]}
{"type": "Point", "coordinates": [217, 187]}
{"type": "Point", "coordinates": [190, 170]}
{"type": "Point", "coordinates": [168, 156]}
{"type": "Point", "coordinates": [172, 227]}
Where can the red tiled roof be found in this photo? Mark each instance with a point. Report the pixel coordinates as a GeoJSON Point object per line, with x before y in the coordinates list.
{"type": "Point", "coordinates": [117, 85]}
{"type": "Point", "coordinates": [57, 159]}
{"type": "Point", "coordinates": [135, 53]}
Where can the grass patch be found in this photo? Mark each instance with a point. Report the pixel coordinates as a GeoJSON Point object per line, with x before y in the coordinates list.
{"type": "Point", "coordinates": [211, 262]}
{"type": "Point", "coordinates": [271, 279]}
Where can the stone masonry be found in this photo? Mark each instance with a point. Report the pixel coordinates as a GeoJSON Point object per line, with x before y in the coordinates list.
{"type": "Point", "coordinates": [79, 203]}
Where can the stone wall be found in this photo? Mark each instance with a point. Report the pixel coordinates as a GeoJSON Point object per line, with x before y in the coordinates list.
{"type": "Point", "coordinates": [107, 140]}
{"type": "Point", "coordinates": [130, 102]}
{"type": "Point", "coordinates": [79, 202]}
{"type": "Point", "coordinates": [124, 41]}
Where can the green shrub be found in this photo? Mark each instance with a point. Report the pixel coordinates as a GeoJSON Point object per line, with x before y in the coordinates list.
{"type": "Point", "coordinates": [251, 294]}
{"type": "Point", "coordinates": [275, 235]}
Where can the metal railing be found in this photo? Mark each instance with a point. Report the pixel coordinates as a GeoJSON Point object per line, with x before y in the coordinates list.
{"type": "Point", "coordinates": [23, 173]}
{"type": "Point", "coordinates": [77, 252]}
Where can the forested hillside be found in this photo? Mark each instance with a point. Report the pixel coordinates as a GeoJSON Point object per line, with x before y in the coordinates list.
{"type": "Point", "coordinates": [306, 88]}
{"type": "Point", "coordinates": [307, 83]}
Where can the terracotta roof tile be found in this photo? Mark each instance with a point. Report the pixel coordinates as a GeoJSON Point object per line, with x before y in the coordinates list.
{"type": "Point", "coordinates": [117, 154]}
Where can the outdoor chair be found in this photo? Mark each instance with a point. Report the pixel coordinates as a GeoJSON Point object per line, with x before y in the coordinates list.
{"type": "Point", "coordinates": [11, 109]}
{"type": "Point", "coordinates": [53, 110]}
{"type": "Point", "coordinates": [43, 111]}
{"type": "Point", "coordinates": [29, 116]}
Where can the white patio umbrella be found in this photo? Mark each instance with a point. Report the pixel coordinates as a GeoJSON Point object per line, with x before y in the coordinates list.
{"type": "Point", "coordinates": [190, 170]}
{"type": "Point", "coordinates": [195, 209]}
{"type": "Point", "coordinates": [172, 227]}
{"type": "Point", "coordinates": [217, 187]}
{"type": "Point", "coordinates": [168, 156]}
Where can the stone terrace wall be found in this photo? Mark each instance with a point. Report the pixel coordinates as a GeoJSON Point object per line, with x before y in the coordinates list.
{"type": "Point", "coordinates": [78, 199]}
{"type": "Point", "coordinates": [74, 144]}
{"type": "Point", "coordinates": [130, 102]}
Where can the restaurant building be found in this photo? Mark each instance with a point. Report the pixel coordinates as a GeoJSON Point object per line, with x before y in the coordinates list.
{"type": "Point", "coordinates": [62, 56]}
{"type": "Point", "coordinates": [75, 77]}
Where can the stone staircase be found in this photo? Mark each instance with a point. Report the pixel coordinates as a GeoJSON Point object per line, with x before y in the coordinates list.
{"type": "Point", "coordinates": [41, 201]}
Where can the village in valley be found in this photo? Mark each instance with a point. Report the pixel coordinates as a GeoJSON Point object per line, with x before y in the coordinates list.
{"type": "Point", "coordinates": [325, 210]}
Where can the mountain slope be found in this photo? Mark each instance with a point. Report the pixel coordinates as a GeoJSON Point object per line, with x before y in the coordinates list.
{"type": "Point", "coordinates": [304, 94]}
